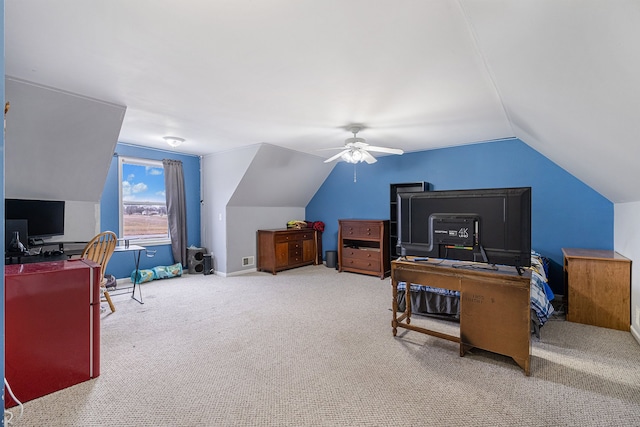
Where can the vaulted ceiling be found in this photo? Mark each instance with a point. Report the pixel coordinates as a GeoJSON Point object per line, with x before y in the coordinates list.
{"type": "Point", "coordinates": [561, 75]}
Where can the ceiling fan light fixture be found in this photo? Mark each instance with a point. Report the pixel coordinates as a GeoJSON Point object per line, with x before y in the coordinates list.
{"type": "Point", "coordinates": [347, 157]}
{"type": "Point", "coordinates": [353, 156]}
{"type": "Point", "coordinates": [173, 141]}
{"type": "Point", "coordinates": [357, 150]}
{"type": "Point", "coordinates": [357, 156]}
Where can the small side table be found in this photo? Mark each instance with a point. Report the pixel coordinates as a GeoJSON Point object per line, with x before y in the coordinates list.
{"type": "Point", "coordinates": [137, 250]}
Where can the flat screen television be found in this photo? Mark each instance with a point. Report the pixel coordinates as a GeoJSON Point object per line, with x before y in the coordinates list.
{"type": "Point", "coordinates": [491, 226]}
{"type": "Point", "coordinates": [45, 218]}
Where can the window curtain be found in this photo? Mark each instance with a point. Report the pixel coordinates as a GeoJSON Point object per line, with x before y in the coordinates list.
{"type": "Point", "coordinates": [176, 209]}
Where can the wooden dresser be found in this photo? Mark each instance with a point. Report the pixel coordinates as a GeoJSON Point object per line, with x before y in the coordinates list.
{"type": "Point", "coordinates": [598, 288]}
{"type": "Point", "coordinates": [287, 248]}
{"type": "Point", "coordinates": [363, 246]}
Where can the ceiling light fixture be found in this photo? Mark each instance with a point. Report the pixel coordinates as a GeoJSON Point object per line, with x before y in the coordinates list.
{"type": "Point", "coordinates": [173, 141]}
{"type": "Point", "coordinates": [353, 156]}
{"type": "Point", "coordinates": [356, 150]}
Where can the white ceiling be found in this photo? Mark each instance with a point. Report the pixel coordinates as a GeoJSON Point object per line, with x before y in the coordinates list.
{"type": "Point", "coordinates": [419, 74]}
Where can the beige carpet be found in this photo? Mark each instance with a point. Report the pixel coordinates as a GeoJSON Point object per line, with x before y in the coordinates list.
{"type": "Point", "coordinates": [314, 347]}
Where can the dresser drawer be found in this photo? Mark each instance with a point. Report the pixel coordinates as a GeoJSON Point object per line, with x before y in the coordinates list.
{"type": "Point", "coordinates": [295, 249]}
{"type": "Point", "coordinates": [360, 230]}
{"type": "Point", "coordinates": [361, 264]}
{"type": "Point", "coordinates": [293, 236]}
{"type": "Point", "coordinates": [360, 254]}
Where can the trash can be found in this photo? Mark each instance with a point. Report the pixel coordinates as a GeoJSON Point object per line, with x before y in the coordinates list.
{"type": "Point", "coordinates": [208, 265]}
{"type": "Point", "coordinates": [331, 258]}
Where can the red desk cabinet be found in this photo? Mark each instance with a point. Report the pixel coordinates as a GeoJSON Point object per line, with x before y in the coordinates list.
{"type": "Point", "coordinates": [52, 326]}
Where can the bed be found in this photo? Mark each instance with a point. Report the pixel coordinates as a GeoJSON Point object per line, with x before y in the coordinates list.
{"type": "Point", "coordinates": [445, 303]}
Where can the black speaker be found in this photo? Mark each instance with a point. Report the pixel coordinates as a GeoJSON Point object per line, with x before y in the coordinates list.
{"type": "Point", "coordinates": [195, 260]}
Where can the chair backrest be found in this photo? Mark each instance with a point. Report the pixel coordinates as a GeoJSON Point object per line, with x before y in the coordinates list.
{"type": "Point", "coordinates": [100, 249]}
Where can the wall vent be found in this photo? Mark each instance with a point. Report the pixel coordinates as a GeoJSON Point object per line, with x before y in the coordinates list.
{"type": "Point", "coordinates": [247, 261]}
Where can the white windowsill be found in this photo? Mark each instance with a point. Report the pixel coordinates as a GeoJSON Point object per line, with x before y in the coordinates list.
{"type": "Point", "coordinates": [150, 242]}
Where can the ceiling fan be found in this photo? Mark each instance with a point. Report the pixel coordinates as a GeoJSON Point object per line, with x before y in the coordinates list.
{"type": "Point", "coordinates": [356, 150]}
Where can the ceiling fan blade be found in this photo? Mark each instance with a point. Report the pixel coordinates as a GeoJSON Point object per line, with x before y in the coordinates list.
{"type": "Point", "coordinates": [332, 148]}
{"type": "Point", "coordinates": [385, 150]}
{"type": "Point", "coordinates": [337, 156]}
{"type": "Point", "coordinates": [368, 157]}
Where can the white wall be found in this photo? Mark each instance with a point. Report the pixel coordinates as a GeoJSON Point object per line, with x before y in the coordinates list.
{"type": "Point", "coordinates": [58, 145]}
{"type": "Point", "coordinates": [81, 221]}
{"type": "Point", "coordinates": [257, 187]}
{"type": "Point", "coordinates": [627, 243]}
{"type": "Point", "coordinates": [245, 221]}
{"type": "Point", "coordinates": [221, 174]}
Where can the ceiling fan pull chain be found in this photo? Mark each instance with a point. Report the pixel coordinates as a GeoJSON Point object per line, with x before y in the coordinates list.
{"type": "Point", "coordinates": [354, 172]}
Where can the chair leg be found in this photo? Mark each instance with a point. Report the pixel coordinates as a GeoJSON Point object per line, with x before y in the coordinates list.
{"type": "Point", "coordinates": [108, 298]}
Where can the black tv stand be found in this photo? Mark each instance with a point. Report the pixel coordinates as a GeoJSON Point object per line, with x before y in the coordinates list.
{"type": "Point", "coordinates": [20, 258]}
{"type": "Point", "coordinates": [33, 242]}
{"type": "Point", "coordinates": [53, 251]}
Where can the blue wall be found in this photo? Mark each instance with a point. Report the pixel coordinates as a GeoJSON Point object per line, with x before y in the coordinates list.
{"type": "Point", "coordinates": [122, 264]}
{"type": "Point", "coordinates": [565, 211]}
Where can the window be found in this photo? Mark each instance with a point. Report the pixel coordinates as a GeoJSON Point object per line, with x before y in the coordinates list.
{"type": "Point", "coordinates": [143, 206]}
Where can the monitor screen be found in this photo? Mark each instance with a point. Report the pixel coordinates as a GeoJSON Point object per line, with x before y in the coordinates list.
{"type": "Point", "coordinates": [45, 218]}
{"type": "Point", "coordinates": [485, 225]}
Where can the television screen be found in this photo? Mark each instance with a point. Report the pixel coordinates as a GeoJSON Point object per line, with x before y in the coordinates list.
{"type": "Point", "coordinates": [485, 225]}
{"type": "Point", "coordinates": [45, 218]}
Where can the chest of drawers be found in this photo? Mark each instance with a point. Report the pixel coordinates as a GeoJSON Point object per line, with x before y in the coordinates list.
{"type": "Point", "coordinates": [286, 248]}
{"type": "Point", "coordinates": [598, 288]}
{"type": "Point", "coordinates": [363, 246]}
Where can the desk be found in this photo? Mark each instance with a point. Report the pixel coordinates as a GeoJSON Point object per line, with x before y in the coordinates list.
{"type": "Point", "coordinates": [494, 305]}
{"type": "Point", "coordinates": [136, 250]}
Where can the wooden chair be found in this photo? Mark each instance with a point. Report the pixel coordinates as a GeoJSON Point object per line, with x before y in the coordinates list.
{"type": "Point", "coordinates": [99, 250]}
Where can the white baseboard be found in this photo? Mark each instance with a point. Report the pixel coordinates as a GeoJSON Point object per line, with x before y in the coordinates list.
{"type": "Point", "coordinates": [635, 333]}
{"type": "Point", "coordinates": [236, 273]}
